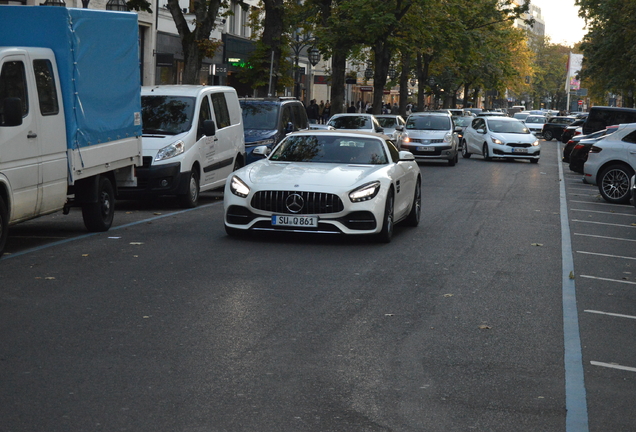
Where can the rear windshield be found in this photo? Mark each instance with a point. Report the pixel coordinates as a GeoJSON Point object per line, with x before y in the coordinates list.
{"type": "Point", "coordinates": [428, 123]}
{"type": "Point", "coordinates": [351, 122]}
{"type": "Point", "coordinates": [387, 122]}
{"type": "Point", "coordinates": [170, 115]}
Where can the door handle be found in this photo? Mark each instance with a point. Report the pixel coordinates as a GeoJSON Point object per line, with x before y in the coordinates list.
{"type": "Point", "coordinates": [32, 135]}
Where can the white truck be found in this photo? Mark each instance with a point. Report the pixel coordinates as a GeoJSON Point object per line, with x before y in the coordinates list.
{"type": "Point", "coordinates": [70, 112]}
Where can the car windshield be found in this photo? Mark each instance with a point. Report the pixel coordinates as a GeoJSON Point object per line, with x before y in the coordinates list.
{"type": "Point", "coordinates": [170, 115]}
{"type": "Point", "coordinates": [428, 123]}
{"type": "Point", "coordinates": [350, 122]}
{"type": "Point", "coordinates": [387, 122]}
{"type": "Point", "coordinates": [537, 119]}
{"type": "Point", "coordinates": [463, 121]}
{"type": "Point", "coordinates": [514, 127]}
{"type": "Point", "coordinates": [260, 115]}
{"type": "Point", "coordinates": [330, 149]}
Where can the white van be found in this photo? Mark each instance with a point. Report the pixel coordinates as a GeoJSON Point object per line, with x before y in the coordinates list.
{"type": "Point", "coordinates": [192, 140]}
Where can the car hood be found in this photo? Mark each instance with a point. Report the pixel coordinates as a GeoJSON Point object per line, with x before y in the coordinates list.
{"type": "Point", "coordinates": [253, 135]}
{"type": "Point", "coordinates": [151, 143]}
{"type": "Point", "coordinates": [415, 133]}
{"type": "Point", "coordinates": [514, 138]}
{"type": "Point", "coordinates": [286, 175]}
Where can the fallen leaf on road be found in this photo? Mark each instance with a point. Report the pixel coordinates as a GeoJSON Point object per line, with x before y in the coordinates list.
{"type": "Point", "coordinates": [484, 327]}
{"type": "Point", "coordinates": [84, 255]}
{"type": "Point", "coordinates": [448, 295]}
{"type": "Point", "coordinates": [389, 315]}
{"type": "Point", "coordinates": [136, 243]}
{"type": "Point", "coordinates": [49, 278]}
{"type": "Point", "coordinates": [537, 244]}
{"type": "Point", "coordinates": [571, 275]}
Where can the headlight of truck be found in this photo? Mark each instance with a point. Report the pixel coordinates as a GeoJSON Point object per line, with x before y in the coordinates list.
{"type": "Point", "coordinates": [170, 151]}
{"type": "Point", "coordinates": [365, 192]}
{"type": "Point", "coordinates": [238, 187]}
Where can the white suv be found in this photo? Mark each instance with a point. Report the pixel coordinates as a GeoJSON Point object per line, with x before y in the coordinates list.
{"type": "Point", "coordinates": [611, 163]}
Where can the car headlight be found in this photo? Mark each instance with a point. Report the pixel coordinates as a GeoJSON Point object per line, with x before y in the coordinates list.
{"type": "Point", "coordinates": [365, 192]}
{"type": "Point", "coordinates": [535, 143]}
{"type": "Point", "coordinates": [406, 139]}
{"type": "Point", "coordinates": [238, 187]}
{"type": "Point", "coordinates": [174, 149]}
{"type": "Point", "coordinates": [496, 140]}
{"type": "Point", "coordinates": [448, 137]}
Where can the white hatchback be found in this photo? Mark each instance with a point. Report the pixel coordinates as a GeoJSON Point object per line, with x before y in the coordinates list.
{"type": "Point", "coordinates": [500, 137]}
{"type": "Point", "coordinates": [611, 163]}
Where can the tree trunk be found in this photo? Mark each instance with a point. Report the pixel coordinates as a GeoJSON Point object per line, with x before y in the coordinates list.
{"type": "Point", "coordinates": [382, 54]}
{"type": "Point", "coordinates": [338, 70]}
{"type": "Point", "coordinates": [272, 31]}
{"type": "Point", "coordinates": [404, 82]}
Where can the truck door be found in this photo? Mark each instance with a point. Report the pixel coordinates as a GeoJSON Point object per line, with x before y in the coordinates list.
{"type": "Point", "coordinates": [19, 144]}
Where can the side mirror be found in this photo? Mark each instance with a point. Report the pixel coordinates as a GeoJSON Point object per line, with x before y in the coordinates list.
{"type": "Point", "coordinates": [400, 128]}
{"type": "Point", "coordinates": [379, 130]}
{"type": "Point", "coordinates": [209, 128]}
{"type": "Point", "coordinates": [261, 151]}
{"type": "Point", "coordinates": [406, 156]}
{"type": "Point", "coordinates": [481, 131]}
{"type": "Point", "coordinates": [458, 129]}
{"type": "Point", "coordinates": [289, 128]}
{"type": "Point", "coordinates": [12, 108]}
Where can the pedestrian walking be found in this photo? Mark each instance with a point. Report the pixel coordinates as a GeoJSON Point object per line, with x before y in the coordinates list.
{"type": "Point", "coordinates": [352, 108]}
{"type": "Point", "coordinates": [326, 112]}
{"type": "Point", "coordinates": [312, 112]}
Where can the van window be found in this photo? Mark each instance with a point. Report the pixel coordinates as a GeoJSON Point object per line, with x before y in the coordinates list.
{"type": "Point", "coordinates": [13, 84]}
{"type": "Point", "coordinates": [221, 112]}
{"type": "Point", "coordinates": [45, 83]}
{"type": "Point", "coordinates": [601, 117]}
{"type": "Point", "coordinates": [204, 114]}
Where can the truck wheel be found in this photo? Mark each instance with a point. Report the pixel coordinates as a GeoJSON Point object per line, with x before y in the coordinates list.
{"type": "Point", "coordinates": [191, 198]}
{"type": "Point", "coordinates": [98, 216]}
{"type": "Point", "coordinates": [4, 225]}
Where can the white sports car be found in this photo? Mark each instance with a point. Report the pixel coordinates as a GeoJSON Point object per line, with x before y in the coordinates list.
{"type": "Point", "coordinates": [337, 181]}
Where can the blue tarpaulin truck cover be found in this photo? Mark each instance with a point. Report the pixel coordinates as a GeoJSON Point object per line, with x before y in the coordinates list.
{"type": "Point", "coordinates": [97, 54]}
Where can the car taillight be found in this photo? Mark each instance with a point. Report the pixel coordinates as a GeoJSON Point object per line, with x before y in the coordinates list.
{"type": "Point", "coordinates": [570, 142]}
{"type": "Point", "coordinates": [578, 146]}
{"type": "Point", "coordinates": [577, 133]}
{"type": "Point", "coordinates": [595, 149]}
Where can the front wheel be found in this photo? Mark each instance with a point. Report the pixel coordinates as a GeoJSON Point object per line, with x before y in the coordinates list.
{"type": "Point", "coordinates": [4, 225]}
{"type": "Point", "coordinates": [453, 161]}
{"type": "Point", "coordinates": [547, 135]}
{"type": "Point", "coordinates": [387, 223]}
{"type": "Point", "coordinates": [98, 216]}
{"type": "Point", "coordinates": [191, 198]}
{"type": "Point", "coordinates": [413, 219]}
{"type": "Point", "coordinates": [465, 153]}
{"type": "Point", "coordinates": [613, 183]}
{"type": "Point", "coordinates": [485, 152]}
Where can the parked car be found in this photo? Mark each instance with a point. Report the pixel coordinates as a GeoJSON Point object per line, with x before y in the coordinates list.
{"type": "Point", "coordinates": [523, 115]}
{"type": "Point", "coordinates": [535, 124]}
{"type": "Point", "coordinates": [389, 122]}
{"type": "Point", "coordinates": [553, 128]}
{"type": "Point", "coordinates": [601, 116]}
{"type": "Point", "coordinates": [473, 111]}
{"type": "Point", "coordinates": [580, 146]}
{"type": "Point", "coordinates": [611, 163]}
{"type": "Point", "coordinates": [339, 182]}
{"type": "Point", "coordinates": [500, 137]}
{"type": "Point", "coordinates": [491, 114]}
{"type": "Point", "coordinates": [572, 129]}
{"type": "Point", "coordinates": [430, 136]}
{"type": "Point", "coordinates": [634, 190]}
{"type": "Point", "coordinates": [192, 140]}
{"type": "Point", "coordinates": [267, 120]}
{"type": "Point", "coordinates": [360, 122]}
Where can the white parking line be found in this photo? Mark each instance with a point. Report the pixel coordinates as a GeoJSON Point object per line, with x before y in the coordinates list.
{"type": "Point", "coordinates": [613, 366]}
{"type": "Point", "coordinates": [610, 314]}
{"type": "Point", "coordinates": [604, 237]}
{"type": "Point", "coordinates": [609, 280]}
{"type": "Point", "coordinates": [601, 203]}
{"type": "Point", "coordinates": [604, 223]}
{"type": "Point", "coordinates": [606, 255]}
{"type": "Point", "coordinates": [583, 194]}
{"type": "Point", "coordinates": [606, 212]}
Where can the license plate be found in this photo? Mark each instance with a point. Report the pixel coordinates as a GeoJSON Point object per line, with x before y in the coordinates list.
{"type": "Point", "coordinates": [425, 149]}
{"type": "Point", "coordinates": [519, 150]}
{"type": "Point", "coordinates": [295, 221]}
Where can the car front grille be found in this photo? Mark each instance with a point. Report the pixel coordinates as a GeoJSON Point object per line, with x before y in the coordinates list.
{"type": "Point", "coordinates": [520, 145]}
{"type": "Point", "coordinates": [312, 203]}
{"type": "Point", "coordinates": [426, 141]}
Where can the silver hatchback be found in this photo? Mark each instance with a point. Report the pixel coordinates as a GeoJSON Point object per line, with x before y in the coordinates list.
{"type": "Point", "coordinates": [429, 136]}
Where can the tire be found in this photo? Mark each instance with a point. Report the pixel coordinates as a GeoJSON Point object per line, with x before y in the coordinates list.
{"type": "Point", "coordinates": [485, 152]}
{"type": "Point", "coordinates": [98, 216]}
{"type": "Point", "coordinates": [4, 225]}
{"type": "Point", "coordinates": [547, 135]}
{"type": "Point", "coordinates": [413, 219]}
{"type": "Point", "coordinates": [534, 161]}
{"type": "Point", "coordinates": [613, 183]}
{"type": "Point", "coordinates": [453, 161]}
{"type": "Point", "coordinates": [465, 153]}
{"type": "Point", "coordinates": [387, 221]}
{"type": "Point", "coordinates": [191, 198]}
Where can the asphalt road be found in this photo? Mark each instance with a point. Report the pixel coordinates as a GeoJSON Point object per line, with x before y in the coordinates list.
{"type": "Point", "coordinates": [166, 324]}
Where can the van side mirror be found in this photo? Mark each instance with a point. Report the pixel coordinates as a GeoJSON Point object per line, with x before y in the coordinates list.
{"type": "Point", "coordinates": [209, 128]}
{"type": "Point", "coordinates": [379, 130]}
{"type": "Point", "coordinates": [289, 128]}
{"type": "Point", "coordinates": [12, 109]}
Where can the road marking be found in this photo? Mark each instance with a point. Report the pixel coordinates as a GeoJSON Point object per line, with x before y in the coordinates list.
{"type": "Point", "coordinates": [607, 279]}
{"type": "Point", "coordinates": [605, 255]}
{"type": "Point", "coordinates": [605, 212]}
{"type": "Point", "coordinates": [605, 237]}
{"type": "Point", "coordinates": [582, 194]}
{"type": "Point", "coordinates": [604, 223]}
{"type": "Point", "coordinates": [610, 314]}
{"type": "Point", "coordinates": [613, 366]}
{"type": "Point", "coordinates": [576, 419]}
{"type": "Point", "coordinates": [601, 203]}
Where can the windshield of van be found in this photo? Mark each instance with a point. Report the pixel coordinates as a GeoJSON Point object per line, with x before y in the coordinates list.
{"type": "Point", "coordinates": [428, 123]}
{"type": "Point", "coordinates": [169, 115]}
{"type": "Point", "coordinates": [513, 127]}
{"type": "Point", "coordinates": [260, 115]}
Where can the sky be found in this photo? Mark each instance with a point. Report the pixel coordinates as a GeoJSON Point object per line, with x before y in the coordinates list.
{"type": "Point", "coordinates": [562, 22]}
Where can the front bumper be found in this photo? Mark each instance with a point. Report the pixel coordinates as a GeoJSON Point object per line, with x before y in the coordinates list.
{"type": "Point", "coordinates": [428, 152]}
{"type": "Point", "coordinates": [512, 152]}
{"type": "Point", "coordinates": [157, 180]}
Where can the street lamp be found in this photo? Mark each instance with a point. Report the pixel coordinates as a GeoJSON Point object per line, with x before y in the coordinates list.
{"type": "Point", "coordinates": [392, 73]}
{"type": "Point", "coordinates": [117, 5]}
{"type": "Point", "coordinates": [314, 55]}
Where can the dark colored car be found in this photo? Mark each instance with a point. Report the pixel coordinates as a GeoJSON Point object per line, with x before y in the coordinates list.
{"type": "Point", "coordinates": [567, 148]}
{"type": "Point", "coordinates": [267, 121]}
{"type": "Point", "coordinates": [553, 128]}
{"type": "Point", "coordinates": [579, 153]}
{"type": "Point", "coordinates": [570, 130]}
{"type": "Point", "coordinates": [600, 117]}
